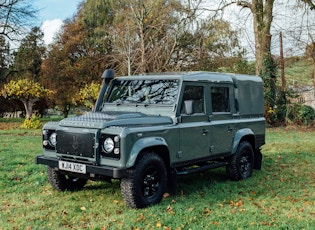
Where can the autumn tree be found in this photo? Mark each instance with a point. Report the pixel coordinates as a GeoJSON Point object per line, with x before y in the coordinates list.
{"type": "Point", "coordinates": [72, 62]}
{"type": "Point", "coordinates": [132, 38]}
{"type": "Point", "coordinates": [89, 94]}
{"type": "Point", "coordinates": [57, 77]}
{"type": "Point", "coordinates": [27, 91]}
{"type": "Point", "coordinates": [15, 17]}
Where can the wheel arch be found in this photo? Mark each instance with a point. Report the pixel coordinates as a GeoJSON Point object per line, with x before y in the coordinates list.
{"type": "Point", "coordinates": [249, 136]}
{"type": "Point", "coordinates": [157, 145]}
{"type": "Point", "coordinates": [243, 135]}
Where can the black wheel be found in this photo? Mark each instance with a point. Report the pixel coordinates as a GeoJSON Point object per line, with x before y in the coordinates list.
{"type": "Point", "coordinates": [240, 165]}
{"type": "Point", "coordinates": [146, 182]}
{"type": "Point", "coordinates": [63, 182]}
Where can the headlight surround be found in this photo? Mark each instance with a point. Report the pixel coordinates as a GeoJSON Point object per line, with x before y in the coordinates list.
{"type": "Point", "coordinates": [49, 139]}
{"type": "Point", "coordinates": [108, 145]}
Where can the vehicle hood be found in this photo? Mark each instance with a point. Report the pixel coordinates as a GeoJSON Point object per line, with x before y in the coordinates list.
{"type": "Point", "coordinates": [121, 119]}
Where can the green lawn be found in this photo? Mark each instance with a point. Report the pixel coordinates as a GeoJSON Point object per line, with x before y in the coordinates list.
{"type": "Point", "coordinates": [281, 195]}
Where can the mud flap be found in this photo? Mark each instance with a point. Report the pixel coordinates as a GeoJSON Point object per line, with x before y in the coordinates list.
{"type": "Point", "coordinates": [172, 182]}
{"type": "Point", "coordinates": [257, 159]}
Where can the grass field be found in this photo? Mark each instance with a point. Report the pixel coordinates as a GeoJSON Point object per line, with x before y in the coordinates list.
{"type": "Point", "coordinates": [280, 196]}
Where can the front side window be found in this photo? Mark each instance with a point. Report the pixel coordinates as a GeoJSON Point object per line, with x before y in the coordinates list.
{"type": "Point", "coordinates": [193, 95]}
{"type": "Point", "coordinates": [220, 99]}
{"type": "Point", "coordinates": [161, 92]}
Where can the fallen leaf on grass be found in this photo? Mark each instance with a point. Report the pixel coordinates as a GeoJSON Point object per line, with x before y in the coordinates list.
{"type": "Point", "coordinates": [165, 195]}
{"type": "Point", "coordinates": [207, 211]}
{"type": "Point", "coordinates": [236, 204]}
{"type": "Point", "coordinates": [239, 203]}
{"type": "Point", "coordinates": [140, 218]}
{"type": "Point", "coordinates": [169, 209]}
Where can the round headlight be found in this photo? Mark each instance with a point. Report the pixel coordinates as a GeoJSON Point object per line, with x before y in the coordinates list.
{"type": "Point", "coordinates": [53, 139]}
{"type": "Point", "coordinates": [108, 145]}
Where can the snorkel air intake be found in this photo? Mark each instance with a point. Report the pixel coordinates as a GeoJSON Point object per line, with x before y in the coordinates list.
{"type": "Point", "coordinates": [108, 75]}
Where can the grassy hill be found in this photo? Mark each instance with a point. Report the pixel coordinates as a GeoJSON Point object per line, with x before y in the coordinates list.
{"type": "Point", "coordinates": [298, 71]}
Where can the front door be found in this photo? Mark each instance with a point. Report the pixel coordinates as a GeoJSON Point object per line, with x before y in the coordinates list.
{"type": "Point", "coordinates": [194, 128]}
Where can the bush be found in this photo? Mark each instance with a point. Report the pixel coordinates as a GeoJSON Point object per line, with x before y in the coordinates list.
{"type": "Point", "coordinates": [292, 113]}
{"type": "Point", "coordinates": [32, 123]}
{"type": "Point", "coordinates": [306, 114]}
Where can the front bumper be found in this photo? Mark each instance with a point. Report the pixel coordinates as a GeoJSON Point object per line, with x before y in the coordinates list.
{"type": "Point", "coordinates": [112, 172]}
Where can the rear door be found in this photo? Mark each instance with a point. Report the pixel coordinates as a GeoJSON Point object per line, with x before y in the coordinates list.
{"type": "Point", "coordinates": [221, 119]}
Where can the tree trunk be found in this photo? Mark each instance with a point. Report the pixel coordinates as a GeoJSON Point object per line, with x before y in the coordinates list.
{"type": "Point", "coordinates": [28, 105]}
{"type": "Point", "coordinates": [262, 19]}
{"type": "Point", "coordinates": [65, 110]}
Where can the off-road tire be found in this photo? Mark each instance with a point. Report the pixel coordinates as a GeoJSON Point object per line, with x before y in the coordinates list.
{"type": "Point", "coordinates": [146, 182]}
{"type": "Point", "coordinates": [240, 165]}
{"type": "Point", "coordinates": [63, 182]}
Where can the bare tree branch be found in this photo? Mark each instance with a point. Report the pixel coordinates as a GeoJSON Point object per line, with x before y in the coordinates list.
{"type": "Point", "coordinates": [310, 3]}
{"type": "Point", "coordinates": [15, 17]}
{"type": "Point", "coordinates": [244, 4]}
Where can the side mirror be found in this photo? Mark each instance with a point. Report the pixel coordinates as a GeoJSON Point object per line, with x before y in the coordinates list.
{"type": "Point", "coordinates": [189, 107]}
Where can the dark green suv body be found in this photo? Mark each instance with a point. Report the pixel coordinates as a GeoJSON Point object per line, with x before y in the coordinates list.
{"type": "Point", "coordinates": [146, 130]}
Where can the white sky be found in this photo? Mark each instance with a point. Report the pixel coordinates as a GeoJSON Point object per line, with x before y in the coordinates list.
{"type": "Point", "coordinates": [52, 14]}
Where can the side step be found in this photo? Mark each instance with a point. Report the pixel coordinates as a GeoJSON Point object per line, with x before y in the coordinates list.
{"type": "Point", "coordinates": [196, 169]}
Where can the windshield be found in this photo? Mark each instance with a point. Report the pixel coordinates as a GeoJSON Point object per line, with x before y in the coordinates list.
{"type": "Point", "coordinates": [163, 92]}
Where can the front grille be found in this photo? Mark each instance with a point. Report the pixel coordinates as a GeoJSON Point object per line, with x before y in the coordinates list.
{"type": "Point", "coordinates": [78, 144]}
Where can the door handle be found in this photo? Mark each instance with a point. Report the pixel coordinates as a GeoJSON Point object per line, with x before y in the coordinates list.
{"type": "Point", "coordinates": [204, 131]}
{"type": "Point", "coordinates": [229, 129]}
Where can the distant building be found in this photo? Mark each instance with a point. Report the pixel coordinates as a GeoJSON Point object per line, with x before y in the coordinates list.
{"type": "Point", "coordinates": [306, 95]}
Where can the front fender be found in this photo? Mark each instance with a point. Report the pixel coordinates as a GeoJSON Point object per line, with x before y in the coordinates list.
{"type": "Point", "coordinates": [142, 144]}
{"type": "Point", "coordinates": [238, 137]}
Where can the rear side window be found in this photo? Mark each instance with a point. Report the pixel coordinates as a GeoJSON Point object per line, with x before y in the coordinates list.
{"type": "Point", "coordinates": [220, 99]}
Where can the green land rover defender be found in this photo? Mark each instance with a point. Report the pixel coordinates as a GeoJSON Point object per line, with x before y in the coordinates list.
{"type": "Point", "coordinates": [147, 130]}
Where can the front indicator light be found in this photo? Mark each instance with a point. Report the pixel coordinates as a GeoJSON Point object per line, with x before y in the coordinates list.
{"type": "Point", "coordinates": [45, 143]}
{"type": "Point", "coordinates": [116, 151]}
